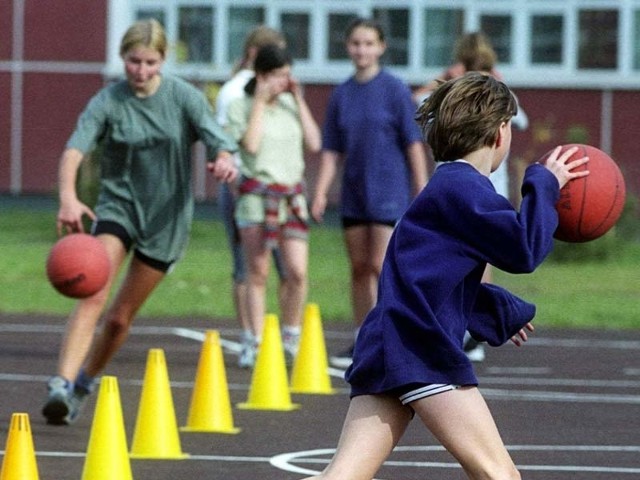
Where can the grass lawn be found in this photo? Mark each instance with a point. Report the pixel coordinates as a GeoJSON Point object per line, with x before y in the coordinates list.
{"type": "Point", "coordinates": [597, 293]}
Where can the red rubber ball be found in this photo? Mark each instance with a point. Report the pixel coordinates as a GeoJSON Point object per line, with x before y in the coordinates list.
{"type": "Point", "coordinates": [78, 265]}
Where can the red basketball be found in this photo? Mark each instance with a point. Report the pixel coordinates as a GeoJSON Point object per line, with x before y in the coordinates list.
{"type": "Point", "coordinates": [589, 206]}
{"type": "Point", "coordinates": [78, 265]}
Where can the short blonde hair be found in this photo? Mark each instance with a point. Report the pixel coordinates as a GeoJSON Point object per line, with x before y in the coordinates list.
{"type": "Point", "coordinates": [147, 33]}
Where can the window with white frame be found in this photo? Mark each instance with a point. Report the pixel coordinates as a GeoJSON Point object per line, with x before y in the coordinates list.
{"type": "Point", "coordinates": [564, 41]}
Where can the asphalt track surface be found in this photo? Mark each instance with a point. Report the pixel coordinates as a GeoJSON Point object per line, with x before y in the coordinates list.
{"type": "Point", "coordinates": [567, 404]}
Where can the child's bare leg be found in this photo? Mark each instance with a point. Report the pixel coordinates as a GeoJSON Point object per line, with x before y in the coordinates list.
{"type": "Point", "coordinates": [372, 428]}
{"type": "Point", "coordinates": [462, 422]}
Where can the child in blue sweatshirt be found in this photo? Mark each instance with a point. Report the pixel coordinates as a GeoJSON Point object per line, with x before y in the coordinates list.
{"type": "Point", "coordinates": [409, 358]}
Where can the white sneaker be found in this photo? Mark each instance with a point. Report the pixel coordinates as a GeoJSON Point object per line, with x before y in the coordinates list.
{"type": "Point", "coordinates": [342, 360]}
{"type": "Point", "coordinates": [248, 351]}
{"type": "Point", "coordinates": [290, 344]}
{"type": "Point", "coordinates": [473, 349]}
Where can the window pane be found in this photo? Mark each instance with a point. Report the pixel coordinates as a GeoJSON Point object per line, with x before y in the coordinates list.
{"type": "Point", "coordinates": [498, 29]}
{"type": "Point", "coordinates": [143, 13]}
{"type": "Point", "coordinates": [241, 21]}
{"type": "Point", "coordinates": [195, 35]}
{"type": "Point", "coordinates": [636, 41]}
{"type": "Point", "coordinates": [295, 27]}
{"type": "Point", "coordinates": [546, 38]}
{"type": "Point", "coordinates": [442, 27]}
{"type": "Point", "coordinates": [338, 23]}
{"type": "Point", "coordinates": [395, 23]}
{"type": "Point", "coordinates": [598, 40]}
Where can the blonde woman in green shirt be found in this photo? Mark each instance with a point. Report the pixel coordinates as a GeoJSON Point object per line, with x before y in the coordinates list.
{"type": "Point", "coordinates": [274, 127]}
{"type": "Point", "coordinates": [146, 125]}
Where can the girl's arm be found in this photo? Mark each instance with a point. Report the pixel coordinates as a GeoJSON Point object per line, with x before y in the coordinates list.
{"type": "Point", "coordinates": [310, 129]}
{"type": "Point", "coordinates": [326, 174]}
{"type": "Point", "coordinates": [417, 159]}
{"type": "Point", "coordinates": [71, 208]}
{"type": "Point", "coordinates": [255, 127]}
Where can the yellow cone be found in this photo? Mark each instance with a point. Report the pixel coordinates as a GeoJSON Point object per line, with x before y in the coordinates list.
{"type": "Point", "coordinates": [310, 372]}
{"type": "Point", "coordinates": [156, 432]}
{"type": "Point", "coordinates": [19, 461]}
{"type": "Point", "coordinates": [269, 388]}
{"type": "Point", "coordinates": [210, 408]}
{"type": "Point", "coordinates": [107, 455]}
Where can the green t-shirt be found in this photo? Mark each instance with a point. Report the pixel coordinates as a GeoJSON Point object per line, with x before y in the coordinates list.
{"type": "Point", "coordinates": [145, 183]}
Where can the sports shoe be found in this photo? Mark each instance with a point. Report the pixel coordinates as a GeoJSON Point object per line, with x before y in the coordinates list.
{"type": "Point", "coordinates": [58, 405]}
{"type": "Point", "coordinates": [248, 350]}
{"type": "Point", "coordinates": [474, 349]}
{"type": "Point", "coordinates": [76, 402]}
{"type": "Point", "coordinates": [290, 344]}
{"type": "Point", "coordinates": [342, 360]}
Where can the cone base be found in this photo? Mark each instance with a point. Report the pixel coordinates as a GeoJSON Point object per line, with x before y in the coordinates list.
{"type": "Point", "coordinates": [229, 431]}
{"type": "Point", "coordinates": [141, 456]}
{"type": "Point", "coordinates": [281, 408]}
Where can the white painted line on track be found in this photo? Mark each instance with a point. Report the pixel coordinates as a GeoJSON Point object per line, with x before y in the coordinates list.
{"type": "Point", "coordinates": [536, 341]}
{"type": "Point", "coordinates": [559, 382]}
{"type": "Point", "coordinates": [518, 370]}
{"type": "Point", "coordinates": [320, 457]}
{"type": "Point", "coordinates": [285, 460]}
{"type": "Point", "coordinates": [541, 396]}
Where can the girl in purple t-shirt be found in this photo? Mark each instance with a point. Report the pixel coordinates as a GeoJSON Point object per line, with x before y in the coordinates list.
{"type": "Point", "coordinates": [370, 125]}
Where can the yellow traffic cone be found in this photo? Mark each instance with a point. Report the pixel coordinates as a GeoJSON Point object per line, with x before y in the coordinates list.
{"type": "Point", "coordinates": [107, 454]}
{"type": "Point", "coordinates": [19, 461]}
{"type": "Point", "coordinates": [210, 408]}
{"type": "Point", "coordinates": [156, 432]}
{"type": "Point", "coordinates": [310, 373]}
{"type": "Point", "coordinates": [269, 388]}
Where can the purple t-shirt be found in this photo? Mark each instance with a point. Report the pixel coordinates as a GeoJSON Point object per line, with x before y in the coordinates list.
{"type": "Point", "coordinates": [372, 124]}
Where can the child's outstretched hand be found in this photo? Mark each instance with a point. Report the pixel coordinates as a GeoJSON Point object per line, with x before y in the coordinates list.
{"type": "Point", "coordinates": [519, 338]}
{"type": "Point", "coordinates": [559, 165]}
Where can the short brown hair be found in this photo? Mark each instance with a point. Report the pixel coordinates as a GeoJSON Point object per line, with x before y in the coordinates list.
{"type": "Point", "coordinates": [464, 114]}
{"type": "Point", "coordinates": [475, 52]}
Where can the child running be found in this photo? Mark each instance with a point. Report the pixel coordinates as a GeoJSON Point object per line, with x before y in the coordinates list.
{"type": "Point", "coordinates": [409, 357]}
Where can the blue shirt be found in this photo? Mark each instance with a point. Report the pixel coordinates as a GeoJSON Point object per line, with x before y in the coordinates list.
{"type": "Point", "coordinates": [430, 290]}
{"type": "Point", "coordinates": [372, 124]}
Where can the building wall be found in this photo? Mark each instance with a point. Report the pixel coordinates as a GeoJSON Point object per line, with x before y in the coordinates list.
{"type": "Point", "coordinates": [61, 53]}
{"type": "Point", "coordinates": [51, 64]}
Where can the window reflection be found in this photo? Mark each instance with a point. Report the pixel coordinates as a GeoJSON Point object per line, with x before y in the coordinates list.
{"type": "Point", "coordinates": [598, 39]}
{"type": "Point", "coordinates": [195, 35]}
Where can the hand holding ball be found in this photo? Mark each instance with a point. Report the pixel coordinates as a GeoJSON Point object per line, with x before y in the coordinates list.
{"type": "Point", "coordinates": [78, 265]}
{"type": "Point", "coordinates": [590, 206]}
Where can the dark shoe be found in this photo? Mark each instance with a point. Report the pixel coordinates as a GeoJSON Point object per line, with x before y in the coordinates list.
{"type": "Point", "coordinates": [76, 402]}
{"type": "Point", "coordinates": [58, 405]}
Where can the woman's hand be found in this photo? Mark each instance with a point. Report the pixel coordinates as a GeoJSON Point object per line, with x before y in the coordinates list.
{"type": "Point", "coordinates": [70, 215]}
{"type": "Point", "coordinates": [224, 168]}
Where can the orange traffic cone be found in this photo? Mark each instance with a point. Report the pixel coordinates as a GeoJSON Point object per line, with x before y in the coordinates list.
{"type": "Point", "coordinates": [210, 408]}
{"type": "Point", "coordinates": [269, 386]}
{"type": "Point", "coordinates": [19, 461]}
{"type": "Point", "coordinates": [156, 432]}
{"type": "Point", "coordinates": [310, 372]}
{"type": "Point", "coordinates": [107, 455]}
